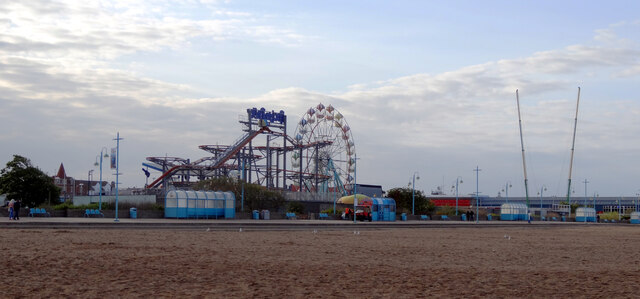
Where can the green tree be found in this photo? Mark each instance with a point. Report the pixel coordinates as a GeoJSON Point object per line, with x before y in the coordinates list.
{"type": "Point", "coordinates": [20, 180]}
{"type": "Point", "coordinates": [296, 207]}
{"type": "Point", "coordinates": [220, 184]}
{"type": "Point", "coordinates": [257, 197]}
{"type": "Point", "coordinates": [404, 201]}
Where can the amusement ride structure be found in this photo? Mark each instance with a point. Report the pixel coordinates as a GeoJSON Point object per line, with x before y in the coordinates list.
{"type": "Point", "coordinates": [321, 152]}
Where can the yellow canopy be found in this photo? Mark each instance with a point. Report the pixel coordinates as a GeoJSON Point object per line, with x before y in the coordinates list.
{"type": "Point", "coordinates": [349, 199]}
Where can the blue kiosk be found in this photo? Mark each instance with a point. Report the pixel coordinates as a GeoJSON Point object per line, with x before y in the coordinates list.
{"type": "Point", "coordinates": [383, 209]}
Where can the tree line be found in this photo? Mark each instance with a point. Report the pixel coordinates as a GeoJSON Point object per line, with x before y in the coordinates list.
{"type": "Point", "coordinates": [20, 180]}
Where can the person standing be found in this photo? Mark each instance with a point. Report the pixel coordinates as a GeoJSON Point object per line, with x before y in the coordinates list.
{"type": "Point", "coordinates": [11, 203]}
{"type": "Point", "coordinates": [16, 209]}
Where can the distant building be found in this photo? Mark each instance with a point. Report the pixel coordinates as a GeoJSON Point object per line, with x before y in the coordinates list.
{"type": "Point", "coordinates": [70, 187]}
{"type": "Point", "coordinates": [65, 184]}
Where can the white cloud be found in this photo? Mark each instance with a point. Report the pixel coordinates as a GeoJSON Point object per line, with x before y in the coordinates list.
{"type": "Point", "coordinates": [60, 93]}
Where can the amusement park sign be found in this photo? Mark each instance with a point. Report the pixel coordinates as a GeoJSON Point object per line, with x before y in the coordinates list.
{"type": "Point", "coordinates": [278, 117]}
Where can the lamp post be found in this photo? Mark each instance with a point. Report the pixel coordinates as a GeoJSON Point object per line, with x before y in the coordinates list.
{"type": "Point", "coordinates": [355, 187]}
{"type": "Point", "coordinates": [117, 139]}
{"type": "Point", "coordinates": [458, 181]}
{"type": "Point", "coordinates": [103, 153]}
{"type": "Point", "coordinates": [413, 193]}
{"type": "Point", "coordinates": [619, 210]}
{"type": "Point", "coordinates": [543, 188]}
{"type": "Point", "coordinates": [506, 191]}
{"type": "Point", "coordinates": [585, 192]}
{"type": "Point", "coordinates": [477, 170]}
{"type": "Point", "coordinates": [89, 175]}
{"type": "Point", "coordinates": [595, 194]}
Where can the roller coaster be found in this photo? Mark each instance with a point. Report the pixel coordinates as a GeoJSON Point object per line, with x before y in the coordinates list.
{"type": "Point", "coordinates": [321, 153]}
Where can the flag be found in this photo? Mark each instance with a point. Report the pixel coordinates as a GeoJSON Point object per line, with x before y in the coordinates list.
{"type": "Point", "coordinates": [113, 158]}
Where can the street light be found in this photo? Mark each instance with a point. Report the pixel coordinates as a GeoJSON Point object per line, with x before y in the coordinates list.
{"type": "Point", "coordinates": [413, 193]}
{"type": "Point", "coordinates": [117, 139]}
{"type": "Point", "coordinates": [103, 153]}
{"type": "Point", "coordinates": [619, 210]}
{"type": "Point", "coordinates": [89, 178]}
{"type": "Point", "coordinates": [585, 192]}
{"type": "Point", "coordinates": [595, 194]}
{"type": "Point", "coordinates": [458, 181]}
{"type": "Point", "coordinates": [506, 191]}
{"type": "Point", "coordinates": [543, 188]}
{"type": "Point", "coordinates": [355, 187]}
{"type": "Point", "coordinates": [477, 216]}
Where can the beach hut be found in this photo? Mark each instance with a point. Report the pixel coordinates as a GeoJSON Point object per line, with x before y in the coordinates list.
{"type": "Point", "coordinates": [585, 215]}
{"type": "Point", "coordinates": [513, 211]}
{"type": "Point", "coordinates": [635, 218]}
{"type": "Point", "coordinates": [199, 204]}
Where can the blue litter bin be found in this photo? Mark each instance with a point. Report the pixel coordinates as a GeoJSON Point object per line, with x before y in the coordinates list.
{"type": "Point", "coordinates": [464, 217]}
{"type": "Point", "coordinates": [404, 216]}
{"type": "Point", "coordinates": [133, 213]}
{"type": "Point", "coordinates": [256, 214]}
{"type": "Point", "coordinates": [489, 217]}
{"type": "Point", "coordinates": [564, 219]}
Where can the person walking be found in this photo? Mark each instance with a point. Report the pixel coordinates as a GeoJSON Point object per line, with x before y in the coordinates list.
{"type": "Point", "coordinates": [16, 209]}
{"type": "Point", "coordinates": [11, 203]}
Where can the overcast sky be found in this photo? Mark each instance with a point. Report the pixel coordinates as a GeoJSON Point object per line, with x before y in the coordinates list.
{"type": "Point", "coordinates": [426, 86]}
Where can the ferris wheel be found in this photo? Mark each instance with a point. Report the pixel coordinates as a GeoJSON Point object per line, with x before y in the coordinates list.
{"type": "Point", "coordinates": [327, 155]}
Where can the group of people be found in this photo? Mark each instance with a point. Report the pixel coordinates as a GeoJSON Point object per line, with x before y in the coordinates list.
{"type": "Point", "coordinates": [14, 209]}
{"type": "Point", "coordinates": [470, 215]}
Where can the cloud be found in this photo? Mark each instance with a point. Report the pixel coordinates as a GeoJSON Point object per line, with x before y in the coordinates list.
{"type": "Point", "coordinates": [91, 30]}
{"type": "Point", "coordinates": [61, 94]}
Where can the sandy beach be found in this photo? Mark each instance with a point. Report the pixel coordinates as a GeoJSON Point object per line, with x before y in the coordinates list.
{"type": "Point", "coordinates": [561, 261]}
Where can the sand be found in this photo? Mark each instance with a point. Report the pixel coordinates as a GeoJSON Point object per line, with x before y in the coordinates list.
{"type": "Point", "coordinates": [561, 261]}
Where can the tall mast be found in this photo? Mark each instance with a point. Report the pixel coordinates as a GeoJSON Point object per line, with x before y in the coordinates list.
{"type": "Point", "coordinates": [573, 144]}
{"type": "Point", "coordinates": [524, 165]}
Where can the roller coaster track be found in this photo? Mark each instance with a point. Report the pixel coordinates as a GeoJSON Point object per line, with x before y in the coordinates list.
{"type": "Point", "coordinates": [217, 162]}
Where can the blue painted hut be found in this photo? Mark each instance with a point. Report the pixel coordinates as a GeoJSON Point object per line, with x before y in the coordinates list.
{"type": "Point", "coordinates": [585, 214]}
{"type": "Point", "coordinates": [513, 211]}
{"type": "Point", "coordinates": [635, 218]}
{"type": "Point", "coordinates": [199, 204]}
{"type": "Point", "coordinates": [383, 209]}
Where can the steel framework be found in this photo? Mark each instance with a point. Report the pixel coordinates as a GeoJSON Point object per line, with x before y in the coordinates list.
{"type": "Point", "coordinates": [261, 152]}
